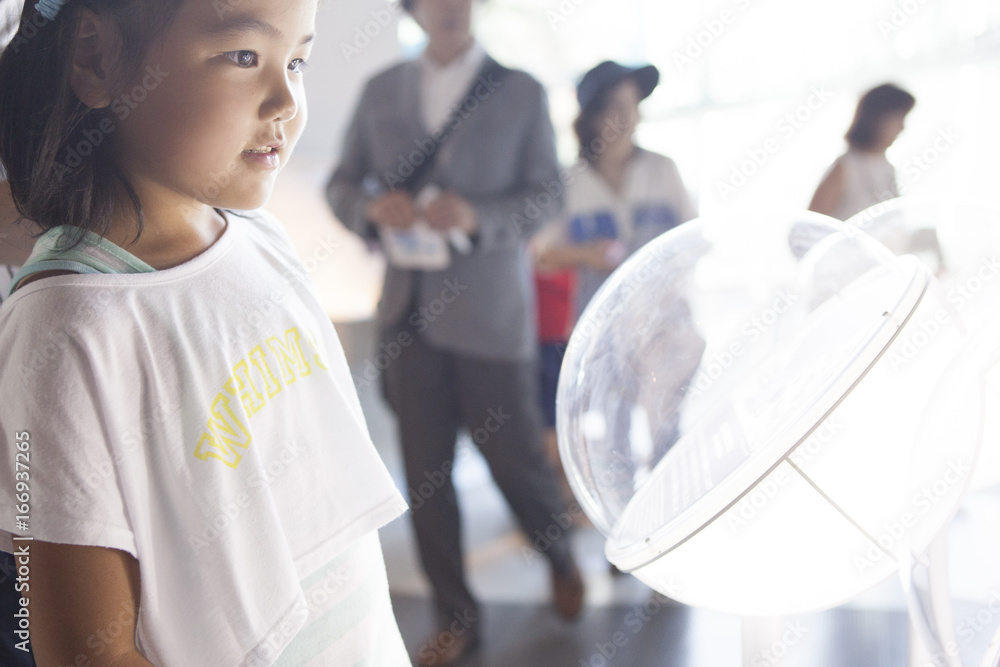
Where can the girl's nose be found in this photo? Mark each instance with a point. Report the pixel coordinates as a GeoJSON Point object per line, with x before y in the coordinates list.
{"type": "Point", "coordinates": [282, 104]}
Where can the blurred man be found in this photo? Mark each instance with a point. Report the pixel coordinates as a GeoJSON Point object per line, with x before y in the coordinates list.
{"type": "Point", "coordinates": [454, 154]}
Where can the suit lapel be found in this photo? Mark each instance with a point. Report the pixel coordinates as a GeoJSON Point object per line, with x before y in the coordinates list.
{"type": "Point", "coordinates": [488, 64]}
{"type": "Point", "coordinates": [409, 100]}
{"type": "Point", "coordinates": [469, 122]}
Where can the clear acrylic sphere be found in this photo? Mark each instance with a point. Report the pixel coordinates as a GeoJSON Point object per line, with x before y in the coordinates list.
{"type": "Point", "coordinates": [952, 586]}
{"type": "Point", "coordinates": [959, 241]}
{"type": "Point", "coordinates": [738, 405]}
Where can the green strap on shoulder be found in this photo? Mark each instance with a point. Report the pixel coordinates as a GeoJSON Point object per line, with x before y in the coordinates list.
{"type": "Point", "coordinates": [58, 250]}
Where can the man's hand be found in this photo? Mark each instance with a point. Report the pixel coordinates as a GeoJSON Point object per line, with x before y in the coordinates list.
{"type": "Point", "coordinates": [450, 211]}
{"type": "Point", "coordinates": [394, 210]}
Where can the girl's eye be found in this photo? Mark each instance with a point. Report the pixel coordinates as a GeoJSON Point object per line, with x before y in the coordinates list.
{"type": "Point", "coordinates": [298, 65]}
{"type": "Point", "coordinates": [243, 58]}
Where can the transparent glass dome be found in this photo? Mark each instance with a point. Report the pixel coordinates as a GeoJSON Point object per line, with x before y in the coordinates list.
{"type": "Point", "coordinates": [959, 241]}
{"type": "Point", "coordinates": [953, 587]}
{"type": "Point", "coordinates": [737, 410]}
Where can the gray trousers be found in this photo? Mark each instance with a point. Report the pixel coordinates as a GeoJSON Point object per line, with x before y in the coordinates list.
{"type": "Point", "coordinates": [435, 392]}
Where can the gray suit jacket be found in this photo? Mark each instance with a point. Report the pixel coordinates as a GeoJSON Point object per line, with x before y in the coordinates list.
{"type": "Point", "coordinates": [500, 157]}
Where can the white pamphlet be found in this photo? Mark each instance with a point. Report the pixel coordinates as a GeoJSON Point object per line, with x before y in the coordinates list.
{"type": "Point", "coordinates": [418, 247]}
{"type": "Point", "coordinates": [421, 247]}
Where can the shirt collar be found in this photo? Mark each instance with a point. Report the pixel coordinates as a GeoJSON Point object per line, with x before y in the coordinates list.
{"type": "Point", "coordinates": [471, 59]}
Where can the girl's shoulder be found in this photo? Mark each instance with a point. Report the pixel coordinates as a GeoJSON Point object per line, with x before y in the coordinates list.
{"type": "Point", "coordinates": [64, 305]}
{"type": "Point", "coordinates": [270, 233]}
{"type": "Point", "coordinates": [264, 224]}
{"type": "Point", "coordinates": [647, 159]}
{"type": "Point", "coordinates": [59, 295]}
{"type": "Point", "coordinates": [54, 294]}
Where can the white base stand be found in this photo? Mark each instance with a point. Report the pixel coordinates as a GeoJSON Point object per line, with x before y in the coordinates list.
{"type": "Point", "coordinates": [766, 640]}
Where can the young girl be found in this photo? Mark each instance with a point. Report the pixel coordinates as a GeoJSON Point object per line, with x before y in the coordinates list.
{"type": "Point", "coordinates": [179, 425]}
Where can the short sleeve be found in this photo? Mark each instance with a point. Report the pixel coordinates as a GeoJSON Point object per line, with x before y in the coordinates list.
{"type": "Point", "coordinates": [57, 404]}
{"type": "Point", "coordinates": [685, 209]}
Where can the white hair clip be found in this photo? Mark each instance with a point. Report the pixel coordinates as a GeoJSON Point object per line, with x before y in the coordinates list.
{"type": "Point", "coordinates": [49, 8]}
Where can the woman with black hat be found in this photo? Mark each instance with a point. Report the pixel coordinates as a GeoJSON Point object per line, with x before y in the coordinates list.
{"type": "Point", "coordinates": [620, 196]}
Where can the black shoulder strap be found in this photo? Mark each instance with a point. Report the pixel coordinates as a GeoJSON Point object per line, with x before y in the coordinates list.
{"type": "Point", "coordinates": [490, 73]}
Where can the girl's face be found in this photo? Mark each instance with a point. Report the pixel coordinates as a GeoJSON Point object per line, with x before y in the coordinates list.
{"type": "Point", "coordinates": [622, 111]}
{"type": "Point", "coordinates": [220, 103]}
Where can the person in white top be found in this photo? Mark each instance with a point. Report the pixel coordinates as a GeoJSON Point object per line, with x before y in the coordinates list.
{"type": "Point", "coordinates": [863, 177]}
{"type": "Point", "coordinates": [195, 483]}
{"type": "Point", "coordinates": [619, 196]}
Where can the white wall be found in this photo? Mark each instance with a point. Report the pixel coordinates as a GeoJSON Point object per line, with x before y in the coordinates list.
{"type": "Point", "coordinates": [732, 70]}
{"type": "Point", "coordinates": [344, 57]}
{"type": "Point", "coordinates": [354, 41]}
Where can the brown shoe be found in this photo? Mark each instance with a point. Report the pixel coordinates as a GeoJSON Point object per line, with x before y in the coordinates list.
{"type": "Point", "coordinates": [567, 593]}
{"type": "Point", "coordinates": [445, 648]}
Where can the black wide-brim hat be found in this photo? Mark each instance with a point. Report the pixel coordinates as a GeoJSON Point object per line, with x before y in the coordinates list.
{"type": "Point", "coordinates": [609, 74]}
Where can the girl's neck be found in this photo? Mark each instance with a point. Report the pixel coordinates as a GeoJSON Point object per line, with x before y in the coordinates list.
{"type": "Point", "coordinates": [173, 232]}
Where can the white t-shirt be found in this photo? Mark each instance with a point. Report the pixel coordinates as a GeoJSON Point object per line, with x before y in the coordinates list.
{"type": "Point", "coordinates": [350, 615]}
{"type": "Point", "coordinates": [652, 202]}
{"type": "Point", "coordinates": [869, 178]}
{"type": "Point", "coordinates": [201, 418]}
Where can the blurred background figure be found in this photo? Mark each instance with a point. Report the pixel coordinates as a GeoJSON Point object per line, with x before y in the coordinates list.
{"type": "Point", "coordinates": [15, 238]}
{"type": "Point", "coordinates": [863, 176]}
{"type": "Point", "coordinates": [555, 292]}
{"type": "Point", "coordinates": [619, 196]}
{"type": "Point", "coordinates": [450, 163]}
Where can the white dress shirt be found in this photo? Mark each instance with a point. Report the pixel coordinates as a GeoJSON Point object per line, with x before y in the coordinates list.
{"type": "Point", "coordinates": [442, 86]}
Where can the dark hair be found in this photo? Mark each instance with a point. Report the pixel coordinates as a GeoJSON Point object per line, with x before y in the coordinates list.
{"type": "Point", "coordinates": [873, 106]}
{"type": "Point", "coordinates": [55, 150]}
{"type": "Point", "coordinates": [407, 5]}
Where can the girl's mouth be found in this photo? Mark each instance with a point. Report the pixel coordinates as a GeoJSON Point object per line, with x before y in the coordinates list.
{"type": "Point", "coordinates": [263, 156]}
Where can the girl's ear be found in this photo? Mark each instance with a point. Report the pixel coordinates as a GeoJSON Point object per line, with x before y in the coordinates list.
{"type": "Point", "coordinates": [92, 74]}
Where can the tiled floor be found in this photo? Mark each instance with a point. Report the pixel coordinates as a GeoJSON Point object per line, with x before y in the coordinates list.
{"type": "Point", "coordinates": [520, 629]}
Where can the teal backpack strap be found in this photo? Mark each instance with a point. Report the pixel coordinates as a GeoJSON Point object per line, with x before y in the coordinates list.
{"type": "Point", "coordinates": [54, 251]}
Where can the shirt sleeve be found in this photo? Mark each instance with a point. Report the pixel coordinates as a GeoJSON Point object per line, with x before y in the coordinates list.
{"type": "Point", "coordinates": [69, 477]}
{"type": "Point", "coordinates": [685, 208]}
